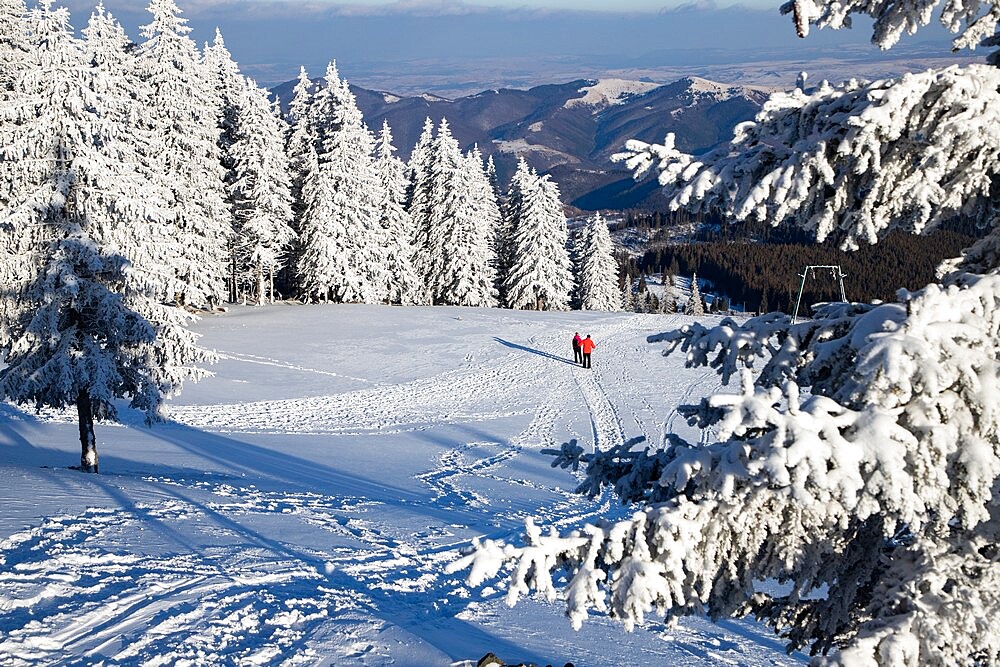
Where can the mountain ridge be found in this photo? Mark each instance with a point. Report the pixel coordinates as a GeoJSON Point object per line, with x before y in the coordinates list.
{"type": "Point", "coordinates": [570, 130]}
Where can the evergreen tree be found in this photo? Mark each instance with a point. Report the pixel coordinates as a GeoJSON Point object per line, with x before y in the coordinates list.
{"type": "Point", "coordinates": [149, 244]}
{"type": "Point", "coordinates": [598, 269]}
{"type": "Point", "coordinates": [539, 276]}
{"type": "Point", "coordinates": [14, 42]}
{"type": "Point", "coordinates": [520, 182]}
{"type": "Point", "coordinates": [492, 177]}
{"type": "Point", "coordinates": [260, 192]}
{"type": "Point", "coordinates": [229, 91]}
{"type": "Point", "coordinates": [487, 225]}
{"type": "Point", "coordinates": [343, 241]}
{"type": "Point", "coordinates": [469, 275]}
{"type": "Point", "coordinates": [695, 306]}
{"type": "Point", "coordinates": [301, 150]}
{"type": "Point", "coordinates": [453, 249]}
{"type": "Point", "coordinates": [90, 328]}
{"type": "Point", "coordinates": [404, 286]}
{"type": "Point", "coordinates": [668, 304]}
{"type": "Point", "coordinates": [418, 175]}
{"type": "Point", "coordinates": [420, 197]}
{"type": "Point", "coordinates": [184, 115]}
{"type": "Point", "coordinates": [628, 296]}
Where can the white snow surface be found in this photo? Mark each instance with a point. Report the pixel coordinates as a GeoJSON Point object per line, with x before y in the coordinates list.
{"type": "Point", "coordinates": [521, 146]}
{"type": "Point", "coordinates": [609, 92]}
{"type": "Point", "coordinates": [304, 504]}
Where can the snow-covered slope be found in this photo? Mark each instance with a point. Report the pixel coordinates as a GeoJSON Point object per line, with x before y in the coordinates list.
{"type": "Point", "coordinates": [609, 92]}
{"type": "Point", "coordinates": [305, 503]}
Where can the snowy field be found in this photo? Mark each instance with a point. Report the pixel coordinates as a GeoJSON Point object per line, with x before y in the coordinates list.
{"type": "Point", "coordinates": [306, 501]}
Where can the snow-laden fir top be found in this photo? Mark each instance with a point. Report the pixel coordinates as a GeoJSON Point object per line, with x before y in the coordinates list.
{"type": "Point", "coordinates": [609, 92]}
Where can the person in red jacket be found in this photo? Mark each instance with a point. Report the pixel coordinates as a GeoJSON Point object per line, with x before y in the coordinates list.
{"type": "Point", "coordinates": [577, 356]}
{"type": "Point", "coordinates": [587, 346]}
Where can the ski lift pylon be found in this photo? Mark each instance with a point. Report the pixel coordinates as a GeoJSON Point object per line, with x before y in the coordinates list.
{"type": "Point", "coordinates": [835, 273]}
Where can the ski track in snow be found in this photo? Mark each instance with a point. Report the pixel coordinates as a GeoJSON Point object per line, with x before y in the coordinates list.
{"type": "Point", "coordinates": [212, 586]}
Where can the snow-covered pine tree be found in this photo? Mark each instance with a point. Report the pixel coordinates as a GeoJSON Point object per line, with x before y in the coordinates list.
{"type": "Point", "coordinates": [343, 243]}
{"type": "Point", "coordinates": [453, 252]}
{"type": "Point", "coordinates": [13, 42]}
{"type": "Point", "coordinates": [184, 117]}
{"type": "Point", "coordinates": [300, 148]}
{"type": "Point", "coordinates": [860, 467]}
{"type": "Point", "coordinates": [695, 307]}
{"type": "Point", "coordinates": [668, 303]}
{"type": "Point", "coordinates": [473, 215]}
{"type": "Point", "coordinates": [520, 182]}
{"type": "Point", "coordinates": [539, 275]}
{"type": "Point", "coordinates": [484, 225]}
{"type": "Point", "coordinates": [579, 242]}
{"type": "Point", "coordinates": [260, 192]}
{"type": "Point", "coordinates": [149, 244]}
{"type": "Point", "coordinates": [598, 277]}
{"type": "Point", "coordinates": [628, 294]}
{"type": "Point", "coordinates": [418, 174]}
{"type": "Point", "coordinates": [403, 286]}
{"type": "Point", "coordinates": [492, 177]}
{"type": "Point", "coordinates": [89, 328]}
{"type": "Point", "coordinates": [426, 201]}
{"type": "Point", "coordinates": [228, 89]}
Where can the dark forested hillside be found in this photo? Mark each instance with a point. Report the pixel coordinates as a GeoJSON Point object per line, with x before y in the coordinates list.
{"type": "Point", "coordinates": [766, 276]}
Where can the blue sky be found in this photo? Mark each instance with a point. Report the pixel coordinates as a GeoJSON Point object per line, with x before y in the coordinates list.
{"type": "Point", "coordinates": [431, 44]}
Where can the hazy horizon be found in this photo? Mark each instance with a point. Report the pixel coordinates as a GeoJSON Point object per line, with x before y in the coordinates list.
{"type": "Point", "coordinates": [453, 48]}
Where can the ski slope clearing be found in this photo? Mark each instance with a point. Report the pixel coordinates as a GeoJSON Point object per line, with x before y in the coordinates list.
{"type": "Point", "coordinates": [304, 503]}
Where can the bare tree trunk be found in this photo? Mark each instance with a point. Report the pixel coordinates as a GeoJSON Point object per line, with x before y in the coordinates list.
{"type": "Point", "coordinates": [88, 439]}
{"type": "Point", "coordinates": [260, 284]}
{"type": "Point", "coordinates": [233, 293]}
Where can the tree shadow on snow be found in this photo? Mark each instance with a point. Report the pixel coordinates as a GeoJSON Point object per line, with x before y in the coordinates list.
{"type": "Point", "coordinates": [427, 612]}
{"type": "Point", "coordinates": [541, 353]}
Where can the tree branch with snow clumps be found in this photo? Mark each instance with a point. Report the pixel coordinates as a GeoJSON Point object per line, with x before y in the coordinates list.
{"type": "Point", "coordinates": [851, 161]}
{"type": "Point", "coordinates": [867, 489]}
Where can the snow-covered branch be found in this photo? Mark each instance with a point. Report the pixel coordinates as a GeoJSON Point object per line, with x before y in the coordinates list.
{"type": "Point", "coordinates": [974, 22]}
{"type": "Point", "coordinates": [871, 497]}
{"type": "Point", "coordinates": [851, 161]}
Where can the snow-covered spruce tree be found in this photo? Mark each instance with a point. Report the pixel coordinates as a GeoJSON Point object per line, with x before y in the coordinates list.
{"type": "Point", "coordinates": [228, 89]}
{"type": "Point", "coordinates": [300, 149]}
{"type": "Point", "coordinates": [149, 243]}
{"type": "Point", "coordinates": [860, 467]}
{"type": "Point", "coordinates": [579, 241]}
{"type": "Point", "coordinates": [695, 307]}
{"type": "Point", "coordinates": [598, 277]}
{"type": "Point", "coordinates": [492, 177]}
{"type": "Point", "coordinates": [470, 261]}
{"type": "Point", "coordinates": [403, 286]}
{"type": "Point", "coordinates": [184, 114]}
{"type": "Point", "coordinates": [453, 253]}
{"type": "Point", "coordinates": [89, 328]}
{"type": "Point", "coordinates": [343, 242]}
{"type": "Point", "coordinates": [477, 220]}
{"type": "Point", "coordinates": [260, 192]}
{"type": "Point", "coordinates": [520, 182]}
{"type": "Point", "coordinates": [418, 175]}
{"type": "Point", "coordinates": [668, 303]}
{"type": "Point", "coordinates": [13, 42]}
{"type": "Point", "coordinates": [539, 275]}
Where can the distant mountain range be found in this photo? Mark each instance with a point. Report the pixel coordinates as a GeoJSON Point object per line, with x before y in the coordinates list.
{"type": "Point", "coordinates": [570, 130]}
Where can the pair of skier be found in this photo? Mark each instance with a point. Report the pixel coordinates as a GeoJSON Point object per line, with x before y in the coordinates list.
{"type": "Point", "coordinates": [582, 347]}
